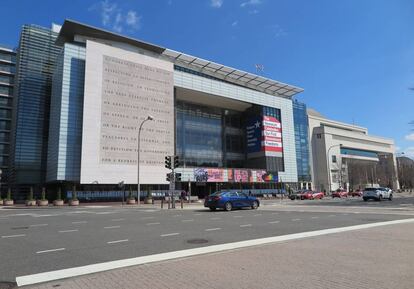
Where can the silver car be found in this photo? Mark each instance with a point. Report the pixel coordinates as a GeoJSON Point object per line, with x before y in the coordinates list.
{"type": "Point", "coordinates": [377, 194]}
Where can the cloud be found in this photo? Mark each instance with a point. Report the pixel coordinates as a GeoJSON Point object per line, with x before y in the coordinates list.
{"type": "Point", "coordinates": [278, 31]}
{"type": "Point", "coordinates": [113, 17]}
{"type": "Point", "coordinates": [250, 3]}
{"type": "Point", "coordinates": [216, 3]}
{"type": "Point", "coordinates": [409, 152]}
{"type": "Point", "coordinates": [254, 11]}
{"type": "Point", "coordinates": [235, 23]}
{"type": "Point", "coordinates": [410, 137]}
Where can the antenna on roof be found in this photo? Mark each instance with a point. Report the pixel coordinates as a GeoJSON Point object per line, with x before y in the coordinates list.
{"type": "Point", "coordinates": [259, 67]}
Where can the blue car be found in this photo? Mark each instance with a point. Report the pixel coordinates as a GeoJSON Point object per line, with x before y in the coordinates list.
{"type": "Point", "coordinates": [230, 200]}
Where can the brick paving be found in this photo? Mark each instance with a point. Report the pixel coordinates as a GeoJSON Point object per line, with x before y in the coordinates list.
{"type": "Point", "coordinates": [380, 257]}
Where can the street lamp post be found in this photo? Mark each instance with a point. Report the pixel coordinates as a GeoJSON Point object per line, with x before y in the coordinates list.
{"type": "Point", "coordinates": [328, 167]}
{"type": "Point", "coordinates": [139, 136]}
{"type": "Point", "coordinates": [400, 169]}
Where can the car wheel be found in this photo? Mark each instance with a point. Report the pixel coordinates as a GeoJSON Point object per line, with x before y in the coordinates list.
{"type": "Point", "coordinates": [390, 198]}
{"type": "Point", "coordinates": [228, 206]}
{"type": "Point", "coordinates": [255, 205]}
{"type": "Point", "coordinates": [365, 199]}
{"type": "Point", "coordinates": [212, 208]}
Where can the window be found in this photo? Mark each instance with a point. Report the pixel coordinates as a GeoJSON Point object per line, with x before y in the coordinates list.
{"type": "Point", "coordinates": [334, 159]}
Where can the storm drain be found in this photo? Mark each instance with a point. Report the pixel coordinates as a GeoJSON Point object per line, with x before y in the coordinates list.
{"type": "Point", "coordinates": [7, 285]}
{"type": "Point", "coordinates": [197, 241]}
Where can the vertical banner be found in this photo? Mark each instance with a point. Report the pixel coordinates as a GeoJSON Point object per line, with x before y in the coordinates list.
{"type": "Point", "coordinates": [271, 135]}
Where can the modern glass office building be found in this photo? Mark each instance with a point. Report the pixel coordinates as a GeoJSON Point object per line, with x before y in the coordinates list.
{"type": "Point", "coordinates": [36, 58]}
{"type": "Point", "coordinates": [302, 144]}
{"type": "Point", "coordinates": [7, 71]}
{"type": "Point", "coordinates": [230, 128]}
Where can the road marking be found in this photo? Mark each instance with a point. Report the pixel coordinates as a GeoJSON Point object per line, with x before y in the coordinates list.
{"type": "Point", "coordinates": [332, 216]}
{"type": "Point", "coordinates": [189, 220]}
{"type": "Point", "coordinates": [171, 234]}
{"type": "Point", "coordinates": [294, 220]}
{"type": "Point", "coordinates": [116, 220]}
{"type": "Point", "coordinates": [177, 215]}
{"type": "Point", "coordinates": [147, 218]}
{"type": "Point", "coordinates": [38, 225]}
{"type": "Point", "coordinates": [273, 222]}
{"type": "Point", "coordinates": [314, 217]}
{"type": "Point", "coordinates": [14, 236]}
{"type": "Point", "coordinates": [117, 241]}
{"type": "Point", "coordinates": [52, 250]}
{"type": "Point", "coordinates": [212, 229]}
{"type": "Point", "coordinates": [257, 215]}
{"type": "Point", "coordinates": [215, 218]}
{"type": "Point", "coordinates": [38, 216]}
{"type": "Point", "coordinates": [150, 224]}
{"type": "Point", "coordinates": [247, 225]}
{"type": "Point", "coordinates": [105, 213]}
{"type": "Point", "coordinates": [112, 227]}
{"type": "Point", "coordinates": [275, 213]}
{"type": "Point", "coordinates": [198, 214]}
{"type": "Point", "coordinates": [68, 231]}
{"type": "Point", "coordinates": [105, 266]}
{"type": "Point", "coordinates": [79, 222]}
{"type": "Point", "coordinates": [237, 216]}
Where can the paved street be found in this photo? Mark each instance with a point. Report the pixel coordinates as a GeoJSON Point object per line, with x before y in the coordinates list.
{"type": "Point", "coordinates": [41, 240]}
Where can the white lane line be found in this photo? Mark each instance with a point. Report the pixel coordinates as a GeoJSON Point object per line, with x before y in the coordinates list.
{"type": "Point", "coordinates": [257, 215]}
{"type": "Point", "coordinates": [198, 214]}
{"type": "Point", "coordinates": [38, 225]}
{"type": "Point", "coordinates": [14, 236]}
{"type": "Point", "coordinates": [147, 218]}
{"type": "Point", "coordinates": [273, 222]}
{"type": "Point", "coordinates": [215, 218]}
{"type": "Point", "coordinates": [189, 220]}
{"type": "Point", "coordinates": [177, 215]}
{"type": "Point", "coordinates": [52, 250]}
{"type": "Point", "coordinates": [112, 227]}
{"type": "Point", "coordinates": [79, 222]}
{"type": "Point", "coordinates": [150, 224]}
{"type": "Point", "coordinates": [275, 214]}
{"type": "Point", "coordinates": [117, 220]}
{"type": "Point", "coordinates": [247, 225]}
{"type": "Point", "coordinates": [105, 266]}
{"type": "Point", "coordinates": [105, 213]}
{"type": "Point", "coordinates": [314, 217]}
{"type": "Point", "coordinates": [117, 241]}
{"type": "Point", "coordinates": [212, 229]}
{"type": "Point", "coordinates": [171, 234]}
{"type": "Point", "coordinates": [294, 220]}
{"type": "Point", "coordinates": [68, 231]}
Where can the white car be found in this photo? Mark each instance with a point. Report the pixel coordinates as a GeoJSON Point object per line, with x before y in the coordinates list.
{"type": "Point", "coordinates": [377, 194]}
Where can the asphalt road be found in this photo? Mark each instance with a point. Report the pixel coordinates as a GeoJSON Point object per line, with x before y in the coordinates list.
{"type": "Point", "coordinates": [405, 201]}
{"type": "Point", "coordinates": [41, 240]}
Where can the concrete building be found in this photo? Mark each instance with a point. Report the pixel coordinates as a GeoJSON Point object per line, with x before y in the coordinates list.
{"type": "Point", "coordinates": [7, 71]}
{"type": "Point", "coordinates": [230, 128]}
{"type": "Point", "coordinates": [346, 156]}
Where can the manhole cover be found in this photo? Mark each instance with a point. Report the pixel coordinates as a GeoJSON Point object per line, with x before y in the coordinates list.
{"type": "Point", "coordinates": [19, 228]}
{"type": "Point", "coordinates": [7, 285]}
{"type": "Point", "coordinates": [197, 241]}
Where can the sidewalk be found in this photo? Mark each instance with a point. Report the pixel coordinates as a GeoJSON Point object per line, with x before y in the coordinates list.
{"type": "Point", "coordinates": [380, 257]}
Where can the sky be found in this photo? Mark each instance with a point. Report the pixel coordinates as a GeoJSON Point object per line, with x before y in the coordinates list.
{"type": "Point", "coordinates": [354, 58]}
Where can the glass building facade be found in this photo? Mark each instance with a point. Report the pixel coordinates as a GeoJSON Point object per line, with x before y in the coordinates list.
{"type": "Point", "coordinates": [302, 142]}
{"type": "Point", "coordinates": [7, 71]}
{"type": "Point", "coordinates": [36, 58]}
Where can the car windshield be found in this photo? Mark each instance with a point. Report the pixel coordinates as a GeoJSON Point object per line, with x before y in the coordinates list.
{"type": "Point", "coordinates": [371, 189]}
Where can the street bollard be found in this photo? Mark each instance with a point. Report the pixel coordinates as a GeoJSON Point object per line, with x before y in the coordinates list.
{"type": "Point", "coordinates": [162, 203]}
{"type": "Point", "coordinates": [182, 203]}
{"type": "Point", "coordinates": [169, 202]}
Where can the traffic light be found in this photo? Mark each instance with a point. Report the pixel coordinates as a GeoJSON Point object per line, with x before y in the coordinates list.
{"type": "Point", "coordinates": [168, 162]}
{"type": "Point", "coordinates": [176, 162]}
{"type": "Point", "coordinates": [169, 177]}
{"type": "Point", "coordinates": [178, 177]}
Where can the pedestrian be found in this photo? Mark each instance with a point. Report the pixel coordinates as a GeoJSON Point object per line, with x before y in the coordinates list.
{"type": "Point", "coordinates": [250, 193]}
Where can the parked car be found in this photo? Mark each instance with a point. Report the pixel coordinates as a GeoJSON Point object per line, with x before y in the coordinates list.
{"type": "Point", "coordinates": [377, 194]}
{"type": "Point", "coordinates": [357, 193]}
{"type": "Point", "coordinates": [301, 195]}
{"type": "Point", "coordinates": [340, 194]}
{"type": "Point", "coordinates": [317, 195]}
{"type": "Point", "coordinates": [230, 200]}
